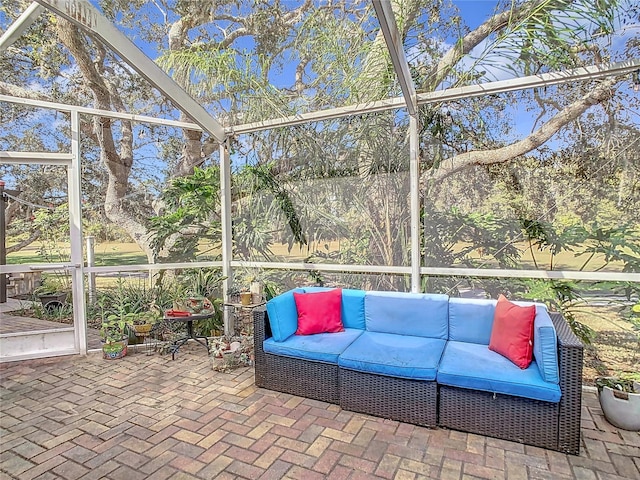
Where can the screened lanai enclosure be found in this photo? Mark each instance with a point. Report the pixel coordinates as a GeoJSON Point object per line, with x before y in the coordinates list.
{"type": "Point", "coordinates": [468, 148]}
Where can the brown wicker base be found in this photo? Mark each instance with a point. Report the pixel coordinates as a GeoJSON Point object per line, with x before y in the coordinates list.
{"type": "Point", "coordinates": [305, 378]}
{"type": "Point", "coordinates": [502, 416]}
{"type": "Point", "coordinates": [547, 425]}
{"type": "Point", "coordinates": [400, 399]}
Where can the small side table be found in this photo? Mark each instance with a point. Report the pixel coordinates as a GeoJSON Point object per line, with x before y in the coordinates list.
{"type": "Point", "coordinates": [175, 346]}
{"type": "Point", "coordinates": [243, 313]}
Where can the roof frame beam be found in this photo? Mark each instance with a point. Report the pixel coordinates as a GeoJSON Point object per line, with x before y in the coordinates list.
{"type": "Point", "coordinates": [389, 28]}
{"type": "Point", "coordinates": [87, 17]}
{"type": "Point", "coordinates": [532, 81]}
{"type": "Point", "coordinates": [17, 28]}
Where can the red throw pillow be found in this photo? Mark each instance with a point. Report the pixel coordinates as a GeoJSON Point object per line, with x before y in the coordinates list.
{"type": "Point", "coordinates": [319, 312]}
{"type": "Point", "coordinates": [512, 332]}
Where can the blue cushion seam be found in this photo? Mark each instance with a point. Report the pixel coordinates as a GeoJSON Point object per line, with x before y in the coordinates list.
{"type": "Point", "coordinates": [300, 358]}
{"type": "Point", "coordinates": [458, 376]}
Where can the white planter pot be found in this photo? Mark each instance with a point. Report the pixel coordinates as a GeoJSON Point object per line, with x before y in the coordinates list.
{"type": "Point", "coordinates": [620, 411]}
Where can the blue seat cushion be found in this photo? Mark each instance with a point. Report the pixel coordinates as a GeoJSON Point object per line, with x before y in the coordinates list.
{"type": "Point", "coordinates": [393, 355]}
{"type": "Point", "coordinates": [414, 314]}
{"type": "Point", "coordinates": [474, 366]}
{"type": "Point", "coordinates": [352, 306]}
{"type": "Point", "coordinates": [321, 347]}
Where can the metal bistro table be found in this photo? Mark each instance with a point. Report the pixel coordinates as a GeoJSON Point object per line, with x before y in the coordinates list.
{"type": "Point", "coordinates": [177, 343]}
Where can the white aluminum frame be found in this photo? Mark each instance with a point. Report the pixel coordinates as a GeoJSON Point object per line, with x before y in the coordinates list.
{"type": "Point", "coordinates": [63, 340]}
{"type": "Point", "coordinates": [87, 17]}
{"type": "Point", "coordinates": [389, 28]}
{"type": "Point", "coordinates": [592, 72]}
{"type": "Point", "coordinates": [17, 28]}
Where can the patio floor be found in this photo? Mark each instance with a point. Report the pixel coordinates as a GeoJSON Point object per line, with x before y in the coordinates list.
{"type": "Point", "coordinates": [151, 417]}
{"type": "Point", "coordinates": [10, 323]}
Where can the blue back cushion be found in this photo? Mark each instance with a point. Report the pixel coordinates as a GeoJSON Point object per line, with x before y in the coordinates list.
{"type": "Point", "coordinates": [352, 306]}
{"type": "Point", "coordinates": [545, 345]}
{"type": "Point", "coordinates": [283, 315]}
{"type": "Point", "coordinates": [471, 320]}
{"type": "Point", "coordinates": [417, 314]}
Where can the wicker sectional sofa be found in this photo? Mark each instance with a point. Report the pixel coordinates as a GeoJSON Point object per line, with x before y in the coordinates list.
{"type": "Point", "coordinates": [424, 359]}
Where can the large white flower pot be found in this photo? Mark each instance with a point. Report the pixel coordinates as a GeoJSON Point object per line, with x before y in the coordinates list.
{"type": "Point", "coordinates": [621, 409]}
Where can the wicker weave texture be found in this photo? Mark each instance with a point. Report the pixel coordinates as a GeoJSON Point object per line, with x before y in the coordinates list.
{"type": "Point", "coordinates": [305, 378]}
{"type": "Point", "coordinates": [502, 416]}
{"type": "Point", "coordinates": [548, 425]}
{"type": "Point", "coordinates": [400, 399]}
{"type": "Point", "coordinates": [570, 353]}
{"type": "Point", "coordinates": [260, 327]}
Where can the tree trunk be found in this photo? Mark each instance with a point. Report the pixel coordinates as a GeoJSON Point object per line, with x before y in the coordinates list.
{"type": "Point", "coordinates": [118, 163]}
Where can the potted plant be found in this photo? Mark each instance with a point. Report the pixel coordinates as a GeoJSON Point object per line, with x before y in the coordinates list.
{"type": "Point", "coordinates": [53, 291]}
{"type": "Point", "coordinates": [115, 335]}
{"type": "Point", "coordinates": [143, 322]}
{"type": "Point", "coordinates": [620, 401]}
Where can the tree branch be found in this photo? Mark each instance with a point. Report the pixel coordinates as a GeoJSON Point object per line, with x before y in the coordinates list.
{"type": "Point", "coordinates": [23, 243]}
{"type": "Point", "coordinates": [474, 38]}
{"type": "Point", "coordinates": [527, 144]}
{"type": "Point", "coordinates": [118, 164]}
{"type": "Point", "coordinates": [16, 91]}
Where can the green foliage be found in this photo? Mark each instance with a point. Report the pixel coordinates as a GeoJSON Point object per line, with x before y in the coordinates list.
{"type": "Point", "coordinates": [559, 296]}
{"type": "Point", "coordinates": [617, 383]}
{"type": "Point", "coordinates": [205, 67]}
{"type": "Point", "coordinates": [54, 283]}
{"type": "Point", "coordinates": [452, 238]}
{"type": "Point", "coordinates": [204, 282]}
{"type": "Point", "coordinates": [551, 34]}
{"type": "Point", "coordinates": [265, 179]}
{"type": "Point", "coordinates": [63, 314]}
{"type": "Point", "coordinates": [192, 211]}
{"type": "Point", "coordinates": [193, 205]}
{"type": "Point", "coordinates": [115, 328]}
{"type": "Point", "coordinates": [634, 316]}
{"type": "Point", "coordinates": [610, 244]}
{"type": "Point", "coordinates": [130, 298]}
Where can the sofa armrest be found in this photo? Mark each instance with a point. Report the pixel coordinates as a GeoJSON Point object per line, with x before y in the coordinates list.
{"type": "Point", "coordinates": [570, 354]}
{"type": "Point", "coordinates": [261, 331]}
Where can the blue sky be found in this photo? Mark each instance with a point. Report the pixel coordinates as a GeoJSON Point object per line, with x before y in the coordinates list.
{"type": "Point", "coordinates": [473, 12]}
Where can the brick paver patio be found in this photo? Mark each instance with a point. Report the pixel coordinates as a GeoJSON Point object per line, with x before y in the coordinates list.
{"type": "Point", "coordinates": [150, 417]}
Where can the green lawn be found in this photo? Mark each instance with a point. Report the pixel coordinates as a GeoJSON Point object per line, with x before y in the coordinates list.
{"type": "Point", "coordinates": [106, 255]}
{"type": "Point", "coordinates": [112, 254]}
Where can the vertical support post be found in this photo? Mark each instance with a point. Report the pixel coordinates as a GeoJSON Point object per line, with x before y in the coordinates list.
{"type": "Point", "coordinates": [75, 235]}
{"type": "Point", "coordinates": [414, 179]}
{"type": "Point", "coordinates": [91, 262]}
{"type": "Point", "coordinates": [227, 234]}
{"type": "Point", "coordinates": [3, 240]}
